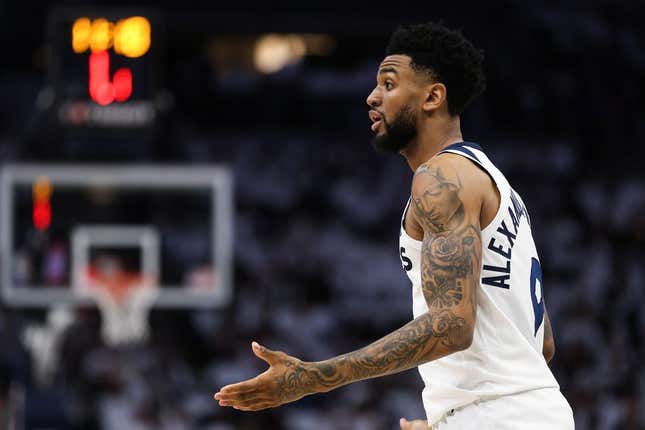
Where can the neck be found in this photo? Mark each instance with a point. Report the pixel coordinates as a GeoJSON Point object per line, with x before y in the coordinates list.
{"type": "Point", "coordinates": [432, 137]}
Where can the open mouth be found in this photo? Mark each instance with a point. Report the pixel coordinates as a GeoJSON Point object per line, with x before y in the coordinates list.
{"type": "Point", "coordinates": [376, 120]}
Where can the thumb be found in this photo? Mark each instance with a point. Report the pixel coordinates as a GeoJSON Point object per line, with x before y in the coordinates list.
{"type": "Point", "coordinates": [263, 352]}
{"type": "Point", "coordinates": [404, 424]}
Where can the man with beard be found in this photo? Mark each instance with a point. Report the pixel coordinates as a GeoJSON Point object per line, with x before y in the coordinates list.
{"type": "Point", "coordinates": [481, 336]}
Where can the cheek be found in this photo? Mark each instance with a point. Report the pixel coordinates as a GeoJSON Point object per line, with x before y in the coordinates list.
{"type": "Point", "coordinates": [391, 105]}
{"type": "Point", "coordinates": [397, 102]}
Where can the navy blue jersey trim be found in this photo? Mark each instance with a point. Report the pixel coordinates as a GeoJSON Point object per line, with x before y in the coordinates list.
{"type": "Point", "coordinates": [473, 145]}
{"type": "Point", "coordinates": [463, 148]}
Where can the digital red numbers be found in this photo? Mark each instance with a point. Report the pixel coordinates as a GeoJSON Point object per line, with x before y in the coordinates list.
{"type": "Point", "coordinates": [103, 90]}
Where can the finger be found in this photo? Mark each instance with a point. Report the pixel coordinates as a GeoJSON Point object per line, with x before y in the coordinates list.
{"type": "Point", "coordinates": [240, 406]}
{"type": "Point", "coordinates": [264, 353]}
{"type": "Point", "coordinates": [251, 402]}
{"type": "Point", "coordinates": [239, 403]}
{"type": "Point", "coordinates": [239, 397]}
{"type": "Point", "coordinates": [405, 425]}
{"type": "Point", "coordinates": [240, 387]}
{"type": "Point", "coordinates": [257, 406]}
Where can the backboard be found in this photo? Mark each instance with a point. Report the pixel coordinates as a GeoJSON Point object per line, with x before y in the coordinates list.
{"type": "Point", "coordinates": [171, 224]}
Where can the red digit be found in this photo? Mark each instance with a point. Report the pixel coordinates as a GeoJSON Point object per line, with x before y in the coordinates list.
{"type": "Point", "coordinates": [102, 91]}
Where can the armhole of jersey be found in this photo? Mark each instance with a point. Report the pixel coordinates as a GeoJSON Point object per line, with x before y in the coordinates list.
{"type": "Point", "coordinates": [465, 150]}
{"type": "Point", "coordinates": [405, 211]}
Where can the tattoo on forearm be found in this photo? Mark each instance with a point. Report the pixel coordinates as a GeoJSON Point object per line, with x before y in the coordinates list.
{"type": "Point", "coordinates": [429, 335]}
{"type": "Point", "coordinates": [451, 254]}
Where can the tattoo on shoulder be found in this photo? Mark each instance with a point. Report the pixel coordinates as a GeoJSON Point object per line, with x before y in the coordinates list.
{"type": "Point", "coordinates": [439, 203]}
{"type": "Point", "coordinates": [452, 243]}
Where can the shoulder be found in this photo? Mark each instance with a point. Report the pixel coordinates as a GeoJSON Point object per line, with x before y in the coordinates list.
{"type": "Point", "coordinates": [445, 187]}
{"type": "Point", "coordinates": [439, 173]}
{"type": "Point", "coordinates": [449, 173]}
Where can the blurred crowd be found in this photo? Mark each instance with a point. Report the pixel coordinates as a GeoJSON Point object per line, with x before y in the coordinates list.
{"type": "Point", "coordinates": [317, 271]}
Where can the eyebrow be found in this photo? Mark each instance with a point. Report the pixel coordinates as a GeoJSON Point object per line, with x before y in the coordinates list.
{"type": "Point", "coordinates": [388, 70]}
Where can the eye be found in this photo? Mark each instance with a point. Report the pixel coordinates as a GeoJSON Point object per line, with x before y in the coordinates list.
{"type": "Point", "coordinates": [388, 85]}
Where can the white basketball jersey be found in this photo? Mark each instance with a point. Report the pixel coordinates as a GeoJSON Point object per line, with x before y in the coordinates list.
{"type": "Point", "coordinates": [506, 353]}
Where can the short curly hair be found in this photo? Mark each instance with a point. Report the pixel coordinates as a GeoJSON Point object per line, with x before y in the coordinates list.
{"type": "Point", "coordinates": [447, 55]}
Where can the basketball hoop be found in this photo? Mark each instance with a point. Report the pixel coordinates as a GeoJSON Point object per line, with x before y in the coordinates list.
{"type": "Point", "coordinates": [123, 290]}
{"type": "Point", "coordinates": [124, 300]}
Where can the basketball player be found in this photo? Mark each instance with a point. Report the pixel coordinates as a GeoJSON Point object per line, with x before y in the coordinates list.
{"type": "Point", "coordinates": [481, 336]}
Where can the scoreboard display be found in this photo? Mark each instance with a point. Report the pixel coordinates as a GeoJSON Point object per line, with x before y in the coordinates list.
{"type": "Point", "coordinates": [104, 67]}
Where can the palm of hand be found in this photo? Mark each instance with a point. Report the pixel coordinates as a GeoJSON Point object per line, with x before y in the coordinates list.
{"type": "Point", "coordinates": [285, 381]}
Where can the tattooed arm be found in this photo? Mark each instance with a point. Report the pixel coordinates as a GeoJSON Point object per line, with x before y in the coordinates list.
{"type": "Point", "coordinates": [451, 259]}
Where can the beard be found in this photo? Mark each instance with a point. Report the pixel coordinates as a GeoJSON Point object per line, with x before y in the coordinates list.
{"type": "Point", "coordinates": [398, 134]}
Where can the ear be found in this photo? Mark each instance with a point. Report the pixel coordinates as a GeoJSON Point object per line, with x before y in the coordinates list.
{"type": "Point", "coordinates": [435, 97]}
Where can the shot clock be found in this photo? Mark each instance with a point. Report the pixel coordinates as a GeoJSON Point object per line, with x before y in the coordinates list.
{"type": "Point", "coordinates": [129, 37]}
{"type": "Point", "coordinates": [104, 67]}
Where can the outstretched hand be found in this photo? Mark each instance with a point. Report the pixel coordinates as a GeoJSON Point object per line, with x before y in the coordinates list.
{"type": "Point", "coordinates": [284, 381]}
{"type": "Point", "coordinates": [414, 425]}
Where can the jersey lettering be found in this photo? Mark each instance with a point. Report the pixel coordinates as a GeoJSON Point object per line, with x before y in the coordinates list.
{"type": "Point", "coordinates": [499, 249]}
{"type": "Point", "coordinates": [502, 245]}
{"type": "Point", "coordinates": [518, 207]}
{"type": "Point", "coordinates": [536, 294]}
{"type": "Point", "coordinates": [407, 263]}
{"type": "Point", "coordinates": [497, 281]}
{"type": "Point", "coordinates": [505, 231]}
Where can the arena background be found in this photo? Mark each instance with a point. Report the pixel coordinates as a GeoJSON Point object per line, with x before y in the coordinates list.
{"type": "Point", "coordinates": [317, 211]}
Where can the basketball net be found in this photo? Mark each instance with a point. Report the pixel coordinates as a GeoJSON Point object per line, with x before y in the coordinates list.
{"type": "Point", "coordinates": [124, 300]}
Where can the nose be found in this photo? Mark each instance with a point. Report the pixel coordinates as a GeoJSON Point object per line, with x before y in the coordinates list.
{"type": "Point", "coordinates": [374, 99]}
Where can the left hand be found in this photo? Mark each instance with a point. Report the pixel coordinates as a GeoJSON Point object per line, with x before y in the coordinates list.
{"type": "Point", "coordinates": [283, 382]}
